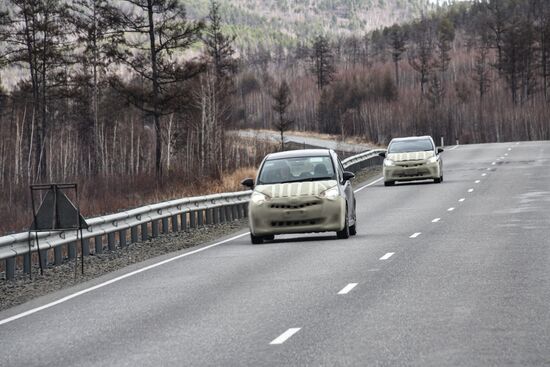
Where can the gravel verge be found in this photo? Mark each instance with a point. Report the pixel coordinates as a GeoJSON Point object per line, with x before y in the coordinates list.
{"type": "Point", "coordinates": [23, 289]}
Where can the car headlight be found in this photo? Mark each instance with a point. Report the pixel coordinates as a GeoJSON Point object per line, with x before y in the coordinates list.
{"type": "Point", "coordinates": [330, 194]}
{"type": "Point", "coordinates": [258, 198]}
{"type": "Point", "coordinates": [432, 160]}
{"type": "Point", "coordinates": [389, 163]}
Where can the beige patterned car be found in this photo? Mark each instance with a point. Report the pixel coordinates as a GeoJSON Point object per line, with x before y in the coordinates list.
{"type": "Point", "coordinates": [410, 159]}
{"type": "Point", "coordinates": [301, 191]}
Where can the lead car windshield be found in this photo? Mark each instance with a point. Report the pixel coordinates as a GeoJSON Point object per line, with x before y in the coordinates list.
{"type": "Point", "coordinates": [296, 169]}
{"type": "Point", "coordinates": [407, 146]}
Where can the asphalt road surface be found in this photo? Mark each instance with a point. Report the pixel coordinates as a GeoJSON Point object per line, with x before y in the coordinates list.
{"type": "Point", "coordinates": [451, 274]}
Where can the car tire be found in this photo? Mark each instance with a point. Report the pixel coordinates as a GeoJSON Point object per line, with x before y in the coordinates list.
{"type": "Point", "coordinates": [389, 183]}
{"type": "Point", "coordinates": [345, 232]}
{"type": "Point", "coordinates": [353, 228]}
{"type": "Point", "coordinates": [271, 237]}
{"type": "Point", "coordinates": [256, 240]}
{"type": "Point", "coordinates": [438, 180]}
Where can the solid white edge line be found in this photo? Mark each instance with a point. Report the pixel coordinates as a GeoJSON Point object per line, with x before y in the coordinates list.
{"type": "Point", "coordinates": [117, 279]}
{"type": "Point", "coordinates": [387, 256]}
{"type": "Point", "coordinates": [347, 288]}
{"type": "Point", "coordinates": [369, 184]}
{"type": "Point", "coordinates": [285, 336]}
{"type": "Point", "coordinates": [414, 235]}
{"type": "Point", "coordinates": [453, 148]}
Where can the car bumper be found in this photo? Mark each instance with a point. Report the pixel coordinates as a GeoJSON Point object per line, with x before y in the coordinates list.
{"type": "Point", "coordinates": [411, 173]}
{"type": "Point", "coordinates": [297, 215]}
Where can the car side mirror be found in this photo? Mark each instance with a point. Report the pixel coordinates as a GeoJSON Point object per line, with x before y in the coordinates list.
{"type": "Point", "coordinates": [248, 182]}
{"type": "Point", "coordinates": [383, 154]}
{"type": "Point", "coordinates": [348, 175]}
{"type": "Point", "coordinates": [440, 150]}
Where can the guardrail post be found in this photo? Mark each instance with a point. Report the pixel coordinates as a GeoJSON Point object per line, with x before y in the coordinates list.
{"type": "Point", "coordinates": [98, 244]}
{"type": "Point", "coordinates": [192, 219]}
{"type": "Point", "coordinates": [10, 268]}
{"type": "Point", "coordinates": [27, 263]}
{"type": "Point", "coordinates": [111, 241]}
{"type": "Point", "coordinates": [85, 247]}
{"type": "Point", "coordinates": [165, 228]}
{"type": "Point", "coordinates": [183, 218]}
{"type": "Point", "coordinates": [215, 215]}
{"type": "Point", "coordinates": [134, 234]}
{"type": "Point", "coordinates": [222, 214]}
{"type": "Point", "coordinates": [235, 212]}
{"type": "Point", "coordinates": [200, 217]}
{"type": "Point", "coordinates": [175, 226]}
{"type": "Point", "coordinates": [228, 214]}
{"type": "Point", "coordinates": [144, 231]}
{"type": "Point", "coordinates": [122, 237]}
{"type": "Point", "coordinates": [44, 256]}
{"type": "Point", "coordinates": [155, 228]}
{"type": "Point", "coordinates": [58, 255]}
{"type": "Point", "coordinates": [209, 219]}
{"type": "Point", "coordinates": [71, 250]}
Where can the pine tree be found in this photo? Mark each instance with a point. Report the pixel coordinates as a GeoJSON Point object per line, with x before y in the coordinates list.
{"type": "Point", "coordinates": [323, 63]}
{"type": "Point", "coordinates": [282, 99]}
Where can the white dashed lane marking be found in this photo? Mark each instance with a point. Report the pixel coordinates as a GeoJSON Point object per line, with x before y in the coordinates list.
{"type": "Point", "coordinates": [436, 220]}
{"type": "Point", "coordinates": [347, 288]}
{"type": "Point", "coordinates": [461, 200]}
{"type": "Point", "coordinates": [470, 190]}
{"type": "Point", "coordinates": [478, 181]}
{"type": "Point", "coordinates": [285, 336]}
{"type": "Point", "coordinates": [450, 209]}
{"type": "Point", "coordinates": [483, 174]}
{"type": "Point", "coordinates": [414, 235]}
{"type": "Point", "coordinates": [387, 256]}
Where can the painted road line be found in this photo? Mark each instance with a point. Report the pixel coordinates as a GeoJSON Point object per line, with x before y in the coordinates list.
{"type": "Point", "coordinates": [348, 288]}
{"type": "Point", "coordinates": [387, 256]}
{"type": "Point", "coordinates": [506, 154]}
{"type": "Point", "coordinates": [436, 220]}
{"type": "Point", "coordinates": [450, 209]}
{"type": "Point", "coordinates": [414, 235]}
{"type": "Point", "coordinates": [461, 200]}
{"type": "Point", "coordinates": [369, 184]}
{"type": "Point", "coordinates": [509, 149]}
{"type": "Point", "coordinates": [478, 181]}
{"type": "Point", "coordinates": [285, 336]}
{"type": "Point", "coordinates": [483, 174]}
{"type": "Point", "coordinates": [453, 148]}
{"type": "Point", "coordinates": [488, 169]}
{"type": "Point", "coordinates": [470, 190]}
{"type": "Point", "coordinates": [117, 279]}
{"type": "Point", "coordinates": [493, 163]}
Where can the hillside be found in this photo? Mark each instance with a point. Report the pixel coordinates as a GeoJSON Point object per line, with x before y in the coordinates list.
{"type": "Point", "coordinates": [284, 22]}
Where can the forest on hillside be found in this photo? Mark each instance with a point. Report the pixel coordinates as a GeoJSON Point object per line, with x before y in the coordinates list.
{"type": "Point", "coordinates": [134, 100]}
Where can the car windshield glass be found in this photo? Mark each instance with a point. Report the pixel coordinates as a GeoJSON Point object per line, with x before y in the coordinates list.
{"type": "Point", "coordinates": [296, 170]}
{"type": "Point", "coordinates": [406, 146]}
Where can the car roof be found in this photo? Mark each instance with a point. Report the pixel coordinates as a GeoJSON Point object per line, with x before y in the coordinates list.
{"type": "Point", "coordinates": [413, 138]}
{"type": "Point", "coordinates": [299, 153]}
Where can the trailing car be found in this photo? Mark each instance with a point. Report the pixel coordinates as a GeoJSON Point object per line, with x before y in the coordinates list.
{"type": "Point", "coordinates": [301, 191]}
{"type": "Point", "coordinates": [412, 158]}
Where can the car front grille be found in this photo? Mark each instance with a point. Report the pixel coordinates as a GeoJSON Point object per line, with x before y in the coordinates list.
{"type": "Point", "coordinates": [297, 206]}
{"type": "Point", "coordinates": [294, 223]}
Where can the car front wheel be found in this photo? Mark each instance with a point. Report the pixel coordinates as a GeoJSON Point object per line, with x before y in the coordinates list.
{"type": "Point", "coordinates": [256, 240]}
{"type": "Point", "coordinates": [345, 232]}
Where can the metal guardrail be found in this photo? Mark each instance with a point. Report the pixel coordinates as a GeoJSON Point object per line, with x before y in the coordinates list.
{"type": "Point", "coordinates": [137, 224]}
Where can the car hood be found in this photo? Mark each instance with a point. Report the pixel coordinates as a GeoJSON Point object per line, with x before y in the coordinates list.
{"type": "Point", "coordinates": [411, 156]}
{"type": "Point", "coordinates": [295, 189]}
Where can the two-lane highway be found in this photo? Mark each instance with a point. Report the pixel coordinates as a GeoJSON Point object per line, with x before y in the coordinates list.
{"type": "Point", "coordinates": [439, 274]}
